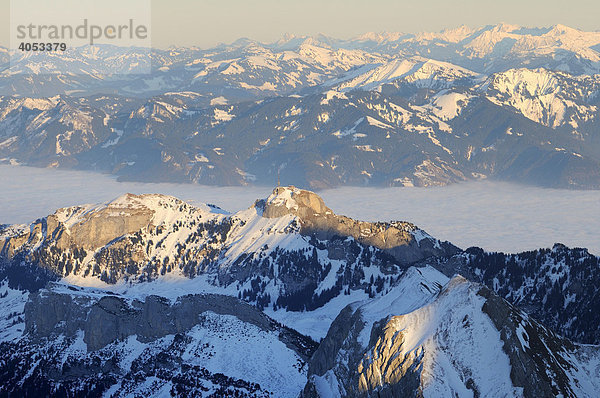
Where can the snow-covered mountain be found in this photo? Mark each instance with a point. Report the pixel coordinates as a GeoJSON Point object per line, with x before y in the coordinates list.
{"type": "Point", "coordinates": [150, 295]}
{"type": "Point", "coordinates": [243, 70]}
{"type": "Point", "coordinates": [546, 283]}
{"type": "Point", "coordinates": [529, 126]}
{"type": "Point", "coordinates": [288, 250]}
{"type": "Point", "coordinates": [422, 73]}
{"type": "Point", "coordinates": [434, 337]}
{"type": "Point", "coordinates": [250, 69]}
{"type": "Point", "coordinates": [506, 102]}
{"type": "Point", "coordinates": [495, 48]}
{"type": "Point", "coordinates": [550, 98]}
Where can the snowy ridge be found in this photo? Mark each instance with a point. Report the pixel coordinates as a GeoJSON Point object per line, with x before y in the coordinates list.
{"type": "Point", "coordinates": [549, 98]}
{"type": "Point", "coordinates": [275, 254]}
{"type": "Point", "coordinates": [418, 71]}
{"type": "Point", "coordinates": [445, 338]}
{"type": "Point", "coordinates": [444, 357]}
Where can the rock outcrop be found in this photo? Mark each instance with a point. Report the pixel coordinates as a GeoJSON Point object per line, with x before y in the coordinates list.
{"type": "Point", "coordinates": [105, 319]}
{"type": "Point", "coordinates": [424, 339]}
{"type": "Point", "coordinates": [88, 342]}
{"type": "Point", "coordinates": [403, 240]}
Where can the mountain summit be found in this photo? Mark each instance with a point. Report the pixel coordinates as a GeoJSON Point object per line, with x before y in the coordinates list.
{"type": "Point", "coordinates": [148, 295]}
{"type": "Point", "coordinates": [290, 241]}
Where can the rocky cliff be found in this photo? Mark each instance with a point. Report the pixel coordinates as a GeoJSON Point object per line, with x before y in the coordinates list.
{"type": "Point", "coordinates": [86, 342]}
{"type": "Point", "coordinates": [403, 240]}
{"type": "Point", "coordinates": [459, 339]}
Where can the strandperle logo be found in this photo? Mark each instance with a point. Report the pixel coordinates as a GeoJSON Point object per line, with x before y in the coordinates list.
{"type": "Point", "coordinates": [84, 31]}
{"type": "Point", "coordinates": [80, 37]}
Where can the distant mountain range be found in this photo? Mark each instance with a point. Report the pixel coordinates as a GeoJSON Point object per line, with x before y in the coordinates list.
{"type": "Point", "coordinates": [501, 102]}
{"type": "Point", "coordinates": [246, 69]}
{"type": "Point", "coordinates": [150, 295]}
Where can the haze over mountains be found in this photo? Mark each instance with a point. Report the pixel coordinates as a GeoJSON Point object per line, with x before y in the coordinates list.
{"type": "Point", "coordinates": [502, 102]}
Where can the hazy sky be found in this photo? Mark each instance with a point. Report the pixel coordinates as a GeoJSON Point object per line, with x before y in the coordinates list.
{"type": "Point", "coordinates": [207, 22]}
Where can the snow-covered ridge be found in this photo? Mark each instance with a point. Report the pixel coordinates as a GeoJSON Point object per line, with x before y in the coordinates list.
{"type": "Point", "coordinates": [446, 337]}
{"type": "Point", "coordinates": [547, 97]}
{"type": "Point", "coordinates": [286, 252]}
{"type": "Point", "coordinates": [419, 71]}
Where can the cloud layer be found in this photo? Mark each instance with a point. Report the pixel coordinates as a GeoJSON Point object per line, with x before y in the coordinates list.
{"type": "Point", "coordinates": [492, 215]}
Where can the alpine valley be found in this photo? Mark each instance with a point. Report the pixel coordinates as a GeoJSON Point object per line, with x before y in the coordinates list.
{"type": "Point", "coordinates": [150, 296]}
{"type": "Point", "coordinates": [502, 102]}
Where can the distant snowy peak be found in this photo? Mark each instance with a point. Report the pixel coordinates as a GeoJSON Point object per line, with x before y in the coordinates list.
{"type": "Point", "coordinates": [342, 59]}
{"type": "Point", "coordinates": [251, 69]}
{"type": "Point", "coordinates": [452, 35]}
{"type": "Point", "coordinates": [292, 42]}
{"type": "Point", "coordinates": [547, 97]}
{"type": "Point", "coordinates": [380, 37]}
{"type": "Point", "coordinates": [495, 48]}
{"type": "Point", "coordinates": [520, 41]}
{"type": "Point", "coordinates": [419, 71]}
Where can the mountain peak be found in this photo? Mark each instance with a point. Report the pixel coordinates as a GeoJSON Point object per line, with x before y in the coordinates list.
{"type": "Point", "coordinates": [380, 37]}
{"type": "Point", "coordinates": [505, 27]}
{"type": "Point", "coordinates": [559, 30]}
{"type": "Point", "coordinates": [402, 240]}
{"type": "Point", "coordinates": [292, 200]}
{"type": "Point", "coordinates": [130, 200]}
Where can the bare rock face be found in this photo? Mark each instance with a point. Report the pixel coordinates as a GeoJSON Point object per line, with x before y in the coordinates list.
{"type": "Point", "coordinates": [463, 330]}
{"type": "Point", "coordinates": [291, 200]}
{"type": "Point", "coordinates": [403, 240]}
{"type": "Point", "coordinates": [89, 342]}
{"type": "Point", "coordinates": [85, 228]}
{"type": "Point", "coordinates": [106, 318]}
{"type": "Point", "coordinates": [107, 224]}
{"type": "Point", "coordinates": [11, 245]}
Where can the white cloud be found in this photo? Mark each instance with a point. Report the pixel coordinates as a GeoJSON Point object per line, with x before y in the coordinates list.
{"type": "Point", "coordinates": [493, 215]}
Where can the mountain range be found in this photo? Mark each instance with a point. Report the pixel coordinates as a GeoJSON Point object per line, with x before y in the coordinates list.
{"type": "Point", "coordinates": [148, 295]}
{"type": "Point", "coordinates": [501, 102]}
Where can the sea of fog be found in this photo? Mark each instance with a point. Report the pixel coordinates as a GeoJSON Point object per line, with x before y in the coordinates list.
{"type": "Point", "coordinates": [495, 216]}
